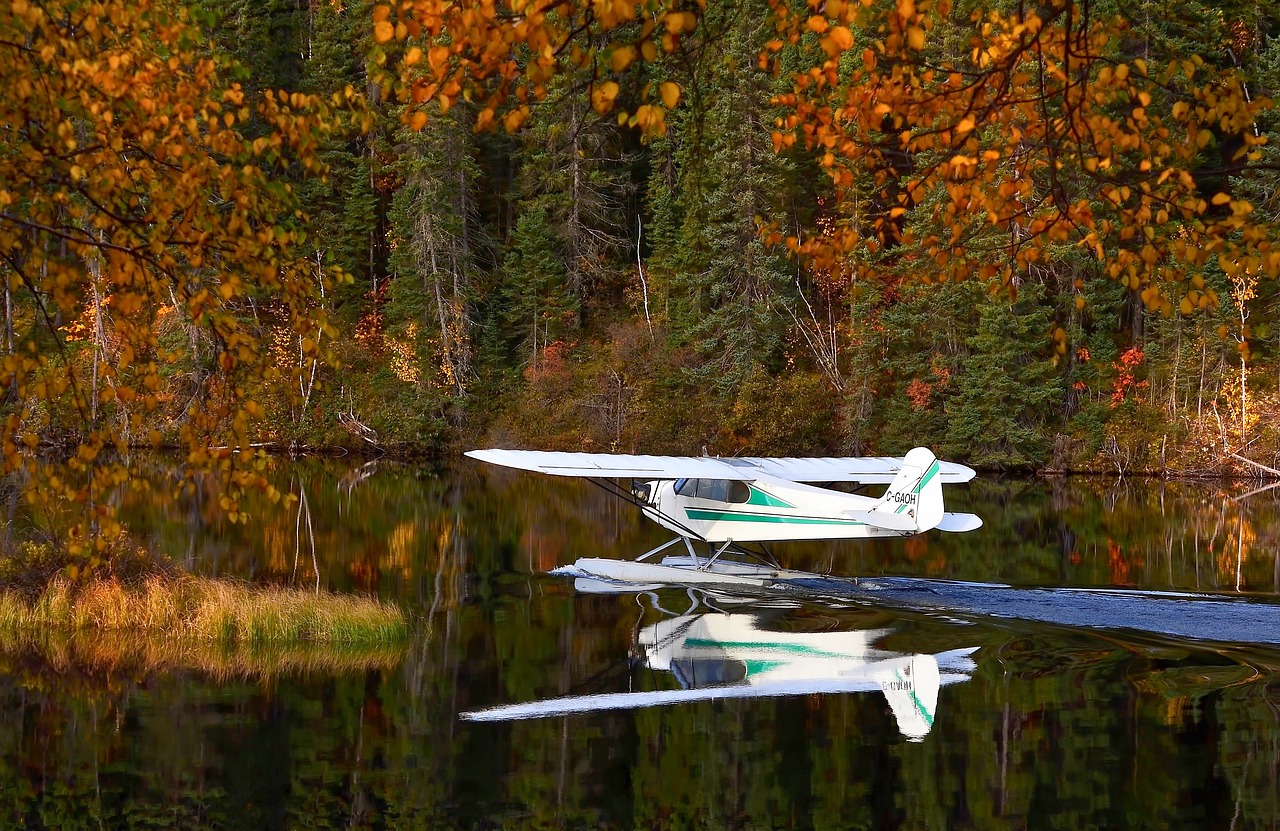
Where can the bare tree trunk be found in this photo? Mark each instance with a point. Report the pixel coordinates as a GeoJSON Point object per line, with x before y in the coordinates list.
{"type": "Point", "coordinates": [644, 285]}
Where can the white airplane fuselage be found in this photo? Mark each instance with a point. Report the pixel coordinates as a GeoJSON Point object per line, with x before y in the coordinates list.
{"type": "Point", "coordinates": [758, 511]}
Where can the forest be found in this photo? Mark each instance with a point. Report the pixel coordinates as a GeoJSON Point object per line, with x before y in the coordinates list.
{"type": "Point", "coordinates": [1030, 237]}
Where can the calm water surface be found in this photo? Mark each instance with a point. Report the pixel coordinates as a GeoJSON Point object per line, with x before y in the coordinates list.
{"type": "Point", "coordinates": [677, 708]}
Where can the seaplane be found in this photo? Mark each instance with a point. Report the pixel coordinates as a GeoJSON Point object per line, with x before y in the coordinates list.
{"type": "Point", "coordinates": [720, 505]}
{"type": "Point", "coordinates": [716, 654]}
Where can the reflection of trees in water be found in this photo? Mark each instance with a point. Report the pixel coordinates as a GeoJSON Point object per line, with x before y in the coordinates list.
{"type": "Point", "coordinates": [1091, 730]}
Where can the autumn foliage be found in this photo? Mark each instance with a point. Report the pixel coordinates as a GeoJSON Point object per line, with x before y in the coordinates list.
{"type": "Point", "coordinates": [505, 57]}
{"type": "Point", "coordinates": [739, 165]}
{"type": "Point", "coordinates": [137, 184]}
{"type": "Point", "coordinates": [1036, 132]}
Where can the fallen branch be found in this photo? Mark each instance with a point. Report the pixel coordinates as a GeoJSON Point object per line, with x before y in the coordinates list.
{"type": "Point", "coordinates": [1262, 467]}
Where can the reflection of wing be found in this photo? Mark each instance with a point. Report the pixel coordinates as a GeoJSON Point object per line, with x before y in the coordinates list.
{"type": "Point", "coordinates": [867, 470]}
{"type": "Point", "coordinates": [913, 701]}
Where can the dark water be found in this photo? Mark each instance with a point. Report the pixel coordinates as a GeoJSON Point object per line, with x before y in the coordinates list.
{"type": "Point", "coordinates": [1148, 695]}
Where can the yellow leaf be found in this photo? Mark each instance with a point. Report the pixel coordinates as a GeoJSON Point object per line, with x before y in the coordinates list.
{"type": "Point", "coordinates": [670, 94]}
{"type": "Point", "coordinates": [383, 31]}
{"type": "Point", "coordinates": [841, 37]}
{"type": "Point", "coordinates": [622, 58]}
{"type": "Point", "coordinates": [513, 120]}
{"type": "Point", "coordinates": [915, 38]}
{"type": "Point", "coordinates": [418, 120]}
{"type": "Point", "coordinates": [603, 95]}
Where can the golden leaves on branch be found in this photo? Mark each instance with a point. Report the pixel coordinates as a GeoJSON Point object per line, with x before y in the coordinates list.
{"type": "Point", "coordinates": [502, 57]}
{"type": "Point", "coordinates": [130, 193]}
{"type": "Point", "coordinates": [1040, 135]}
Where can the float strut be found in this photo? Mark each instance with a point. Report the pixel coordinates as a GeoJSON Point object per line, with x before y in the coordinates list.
{"type": "Point", "coordinates": [662, 547]}
{"type": "Point", "coordinates": [715, 555]}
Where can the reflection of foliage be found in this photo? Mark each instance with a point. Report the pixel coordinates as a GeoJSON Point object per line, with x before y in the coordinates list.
{"type": "Point", "coordinates": [97, 657]}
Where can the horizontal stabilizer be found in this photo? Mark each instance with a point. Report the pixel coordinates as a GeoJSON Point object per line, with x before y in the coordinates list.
{"type": "Point", "coordinates": [960, 522]}
{"type": "Point", "coordinates": [879, 519]}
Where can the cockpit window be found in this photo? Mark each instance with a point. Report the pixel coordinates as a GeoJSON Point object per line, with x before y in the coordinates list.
{"type": "Point", "coordinates": [719, 490]}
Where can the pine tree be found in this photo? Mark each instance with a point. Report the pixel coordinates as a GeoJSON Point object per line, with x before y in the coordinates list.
{"type": "Point", "coordinates": [537, 302]}
{"type": "Point", "coordinates": [575, 167]}
{"type": "Point", "coordinates": [343, 207]}
{"type": "Point", "coordinates": [1005, 393]}
{"type": "Point", "coordinates": [439, 241]}
{"type": "Point", "coordinates": [717, 178]}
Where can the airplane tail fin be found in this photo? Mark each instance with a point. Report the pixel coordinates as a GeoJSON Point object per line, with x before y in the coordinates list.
{"type": "Point", "coordinates": [913, 501]}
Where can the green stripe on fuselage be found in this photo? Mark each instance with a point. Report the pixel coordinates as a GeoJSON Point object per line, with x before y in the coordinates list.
{"type": "Point", "coordinates": [915, 699]}
{"type": "Point", "coordinates": [735, 516]}
{"type": "Point", "coordinates": [759, 497]}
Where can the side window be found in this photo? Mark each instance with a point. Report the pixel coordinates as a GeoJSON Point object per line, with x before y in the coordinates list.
{"type": "Point", "coordinates": [712, 489]}
{"type": "Point", "coordinates": [720, 490]}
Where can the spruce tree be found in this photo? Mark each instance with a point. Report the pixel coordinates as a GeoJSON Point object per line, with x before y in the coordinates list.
{"type": "Point", "coordinates": [538, 306]}
{"type": "Point", "coordinates": [715, 179]}
{"type": "Point", "coordinates": [1006, 388]}
{"type": "Point", "coordinates": [439, 243]}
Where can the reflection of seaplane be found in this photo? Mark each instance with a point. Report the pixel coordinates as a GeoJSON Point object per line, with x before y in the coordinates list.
{"type": "Point", "coordinates": [729, 503]}
{"type": "Point", "coordinates": [715, 654]}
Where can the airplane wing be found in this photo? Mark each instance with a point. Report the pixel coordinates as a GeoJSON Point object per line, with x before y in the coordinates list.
{"type": "Point", "coordinates": [614, 465]}
{"type": "Point", "coordinates": [868, 470]}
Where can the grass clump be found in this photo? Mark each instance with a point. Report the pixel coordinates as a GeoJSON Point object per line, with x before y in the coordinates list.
{"type": "Point", "coordinates": [202, 608]}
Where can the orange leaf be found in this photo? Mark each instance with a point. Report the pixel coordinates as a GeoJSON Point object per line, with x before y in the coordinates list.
{"type": "Point", "coordinates": [670, 94]}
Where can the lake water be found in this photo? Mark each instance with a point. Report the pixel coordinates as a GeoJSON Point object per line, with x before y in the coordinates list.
{"type": "Point", "coordinates": [1124, 674]}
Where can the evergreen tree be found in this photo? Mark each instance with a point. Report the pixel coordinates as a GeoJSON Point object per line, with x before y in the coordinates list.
{"type": "Point", "coordinates": [343, 207]}
{"type": "Point", "coordinates": [439, 243]}
{"type": "Point", "coordinates": [537, 302]}
{"type": "Point", "coordinates": [573, 166]}
{"type": "Point", "coordinates": [1005, 393]}
{"type": "Point", "coordinates": [266, 37]}
{"type": "Point", "coordinates": [717, 179]}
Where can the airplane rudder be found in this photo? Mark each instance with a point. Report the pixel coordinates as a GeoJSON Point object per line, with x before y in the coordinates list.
{"type": "Point", "coordinates": [917, 489]}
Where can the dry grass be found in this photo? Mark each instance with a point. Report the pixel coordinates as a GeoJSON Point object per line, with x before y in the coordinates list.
{"type": "Point", "coordinates": [204, 609]}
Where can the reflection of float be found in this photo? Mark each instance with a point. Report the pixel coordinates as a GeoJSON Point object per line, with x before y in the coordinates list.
{"type": "Point", "coordinates": [715, 654]}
